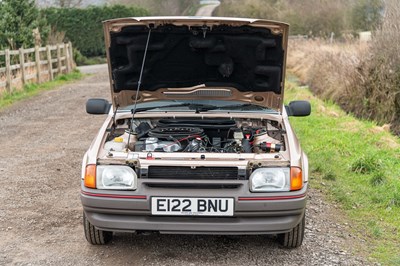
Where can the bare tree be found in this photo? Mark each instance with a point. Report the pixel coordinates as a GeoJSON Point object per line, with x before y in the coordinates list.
{"type": "Point", "coordinates": [69, 3]}
{"type": "Point", "coordinates": [161, 7]}
{"type": "Point", "coordinates": [60, 3]}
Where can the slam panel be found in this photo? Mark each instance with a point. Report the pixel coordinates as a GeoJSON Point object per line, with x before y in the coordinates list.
{"type": "Point", "coordinates": [247, 58]}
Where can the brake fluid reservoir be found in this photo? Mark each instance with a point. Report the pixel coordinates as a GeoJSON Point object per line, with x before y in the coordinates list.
{"type": "Point", "coordinates": [151, 144]}
{"type": "Point", "coordinates": [117, 144]}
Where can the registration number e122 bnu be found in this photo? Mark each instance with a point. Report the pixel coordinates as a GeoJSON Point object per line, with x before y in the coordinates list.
{"type": "Point", "coordinates": [192, 206]}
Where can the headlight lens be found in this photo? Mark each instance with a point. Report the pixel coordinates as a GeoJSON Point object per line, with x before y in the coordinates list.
{"type": "Point", "coordinates": [270, 179]}
{"type": "Point", "coordinates": [116, 177]}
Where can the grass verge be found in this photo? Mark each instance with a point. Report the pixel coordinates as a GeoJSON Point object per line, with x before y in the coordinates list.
{"type": "Point", "coordinates": [192, 9]}
{"type": "Point", "coordinates": [357, 165]}
{"type": "Point", "coordinates": [31, 89]}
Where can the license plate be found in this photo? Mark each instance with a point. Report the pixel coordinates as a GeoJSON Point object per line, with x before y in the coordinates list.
{"type": "Point", "coordinates": [192, 206]}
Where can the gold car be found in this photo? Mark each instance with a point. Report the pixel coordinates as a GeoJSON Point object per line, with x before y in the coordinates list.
{"type": "Point", "coordinates": [197, 139]}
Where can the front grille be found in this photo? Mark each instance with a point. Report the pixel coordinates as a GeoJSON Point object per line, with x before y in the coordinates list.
{"type": "Point", "coordinates": [194, 186]}
{"type": "Point", "coordinates": [201, 173]}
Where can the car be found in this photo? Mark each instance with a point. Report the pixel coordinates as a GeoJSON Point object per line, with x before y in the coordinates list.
{"type": "Point", "coordinates": [197, 139]}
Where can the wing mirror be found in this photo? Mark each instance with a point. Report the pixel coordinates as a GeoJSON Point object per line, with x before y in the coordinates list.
{"type": "Point", "coordinates": [97, 106]}
{"type": "Point", "coordinates": [298, 108]}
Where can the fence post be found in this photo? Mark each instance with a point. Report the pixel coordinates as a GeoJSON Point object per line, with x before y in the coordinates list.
{"type": "Point", "coordinates": [37, 61]}
{"type": "Point", "coordinates": [49, 63]}
{"type": "Point", "coordinates": [71, 54]}
{"type": "Point", "coordinates": [58, 59]}
{"type": "Point", "coordinates": [66, 55]}
{"type": "Point", "coordinates": [22, 65]}
{"type": "Point", "coordinates": [8, 70]}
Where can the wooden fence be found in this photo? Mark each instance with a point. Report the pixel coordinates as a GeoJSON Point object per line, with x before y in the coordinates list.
{"type": "Point", "coordinates": [37, 64]}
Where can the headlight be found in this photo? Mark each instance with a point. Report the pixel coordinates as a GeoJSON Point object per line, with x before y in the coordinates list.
{"type": "Point", "coordinates": [116, 177]}
{"type": "Point", "coordinates": [270, 179]}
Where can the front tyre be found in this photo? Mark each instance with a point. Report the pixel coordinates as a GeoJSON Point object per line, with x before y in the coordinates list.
{"type": "Point", "coordinates": [293, 238]}
{"type": "Point", "coordinates": [95, 236]}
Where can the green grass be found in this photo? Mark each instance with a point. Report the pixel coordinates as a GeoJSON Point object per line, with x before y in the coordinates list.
{"type": "Point", "coordinates": [86, 61]}
{"type": "Point", "coordinates": [95, 60]}
{"type": "Point", "coordinates": [192, 9]}
{"type": "Point", "coordinates": [357, 165]}
{"type": "Point", "coordinates": [31, 89]}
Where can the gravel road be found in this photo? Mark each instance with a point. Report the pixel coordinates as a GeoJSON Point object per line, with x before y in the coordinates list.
{"type": "Point", "coordinates": [92, 69]}
{"type": "Point", "coordinates": [42, 141]}
{"type": "Point", "coordinates": [207, 10]}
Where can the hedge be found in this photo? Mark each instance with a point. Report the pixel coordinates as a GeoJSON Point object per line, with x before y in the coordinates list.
{"type": "Point", "coordinates": [83, 27]}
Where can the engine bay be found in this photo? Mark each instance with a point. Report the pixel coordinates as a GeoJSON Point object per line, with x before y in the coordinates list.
{"type": "Point", "coordinates": [211, 135]}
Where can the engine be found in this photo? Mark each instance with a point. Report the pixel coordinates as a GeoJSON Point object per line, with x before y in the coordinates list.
{"type": "Point", "coordinates": [202, 135]}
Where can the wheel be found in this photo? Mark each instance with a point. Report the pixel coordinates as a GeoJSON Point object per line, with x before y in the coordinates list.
{"type": "Point", "coordinates": [293, 238]}
{"type": "Point", "coordinates": [95, 236]}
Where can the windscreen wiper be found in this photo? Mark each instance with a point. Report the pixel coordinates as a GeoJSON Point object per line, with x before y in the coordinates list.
{"type": "Point", "coordinates": [231, 107]}
{"type": "Point", "coordinates": [195, 106]}
{"type": "Point", "coordinates": [204, 107]}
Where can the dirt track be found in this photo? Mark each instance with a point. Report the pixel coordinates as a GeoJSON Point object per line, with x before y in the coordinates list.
{"type": "Point", "coordinates": [206, 10]}
{"type": "Point", "coordinates": [42, 142]}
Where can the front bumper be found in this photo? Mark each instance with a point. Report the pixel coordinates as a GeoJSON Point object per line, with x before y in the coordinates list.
{"type": "Point", "coordinates": [254, 213]}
